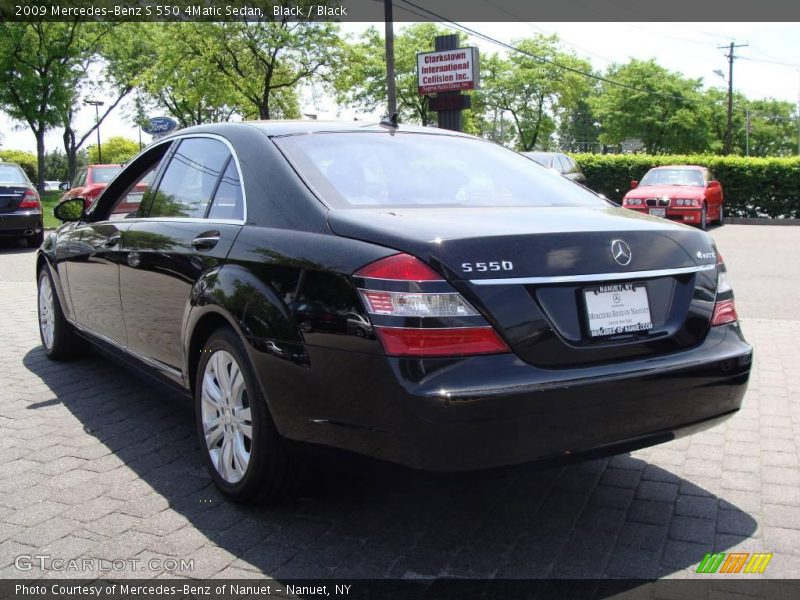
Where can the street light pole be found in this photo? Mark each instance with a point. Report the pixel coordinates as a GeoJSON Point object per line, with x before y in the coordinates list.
{"type": "Point", "coordinates": [97, 104]}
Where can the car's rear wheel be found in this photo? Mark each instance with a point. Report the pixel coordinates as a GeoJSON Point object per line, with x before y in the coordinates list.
{"type": "Point", "coordinates": [243, 450]}
{"type": "Point", "coordinates": [58, 337]}
{"type": "Point", "coordinates": [703, 224]}
{"type": "Point", "coordinates": [721, 214]}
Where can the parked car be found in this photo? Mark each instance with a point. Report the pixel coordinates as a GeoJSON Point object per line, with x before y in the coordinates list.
{"type": "Point", "coordinates": [20, 207]}
{"type": "Point", "coordinates": [91, 181]}
{"type": "Point", "coordinates": [688, 194]}
{"type": "Point", "coordinates": [562, 163]}
{"type": "Point", "coordinates": [332, 284]}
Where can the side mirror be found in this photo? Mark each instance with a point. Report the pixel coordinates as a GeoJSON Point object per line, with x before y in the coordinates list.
{"type": "Point", "coordinates": [712, 185]}
{"type": "Point", "coordinates": [634, 183]}
{"type": "Point", "coordinates": [70, 210]}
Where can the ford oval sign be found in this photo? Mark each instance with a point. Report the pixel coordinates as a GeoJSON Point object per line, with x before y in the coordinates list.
{"type": "Point", "coordinates": [159, 125]}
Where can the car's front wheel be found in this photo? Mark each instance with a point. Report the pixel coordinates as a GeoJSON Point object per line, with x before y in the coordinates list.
{"type": "Point", "coordinates": [242, 448]}
{"type": "Point", "coordinates": [703, 224]}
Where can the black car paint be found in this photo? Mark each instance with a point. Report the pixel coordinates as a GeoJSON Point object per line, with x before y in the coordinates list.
{"type": "Point", "coordinates": [283, 281]}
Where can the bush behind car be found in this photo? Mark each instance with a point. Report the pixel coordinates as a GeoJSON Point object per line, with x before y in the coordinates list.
{"type": "Point", "coordinates": [754, 187]}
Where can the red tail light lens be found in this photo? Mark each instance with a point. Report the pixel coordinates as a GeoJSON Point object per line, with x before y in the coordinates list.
{"type": "Point", "coordinates": [456, 341]}
{"type": "Point", "coordinates": [724, 312]}
{"type": "Point", "coordinates": [399, 266]}
{"type": "Point", "coordinates": [401, 287]}
{"type": "Point", "coordinates": [30, 200]}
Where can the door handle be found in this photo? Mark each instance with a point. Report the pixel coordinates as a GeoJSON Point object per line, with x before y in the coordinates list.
{"type": "Point", "coordinates": [205, 241]}
{"type": "Point", "coordinates": [112, 241]}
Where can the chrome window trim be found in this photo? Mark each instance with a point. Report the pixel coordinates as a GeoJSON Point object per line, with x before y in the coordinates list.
{"type": "Point", "coordinates": [594, 277]}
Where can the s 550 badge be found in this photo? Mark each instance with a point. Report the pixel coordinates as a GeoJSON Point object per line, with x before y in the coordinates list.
{"type": "Point", "coordinates": [492, 265]}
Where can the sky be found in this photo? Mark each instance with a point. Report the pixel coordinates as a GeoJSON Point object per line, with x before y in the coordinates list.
{"type": "Point", "coordinates": [689, 48]}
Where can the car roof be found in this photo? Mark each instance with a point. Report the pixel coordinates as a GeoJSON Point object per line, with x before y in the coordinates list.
{"type": "Point", "coordinates": [282, 128]}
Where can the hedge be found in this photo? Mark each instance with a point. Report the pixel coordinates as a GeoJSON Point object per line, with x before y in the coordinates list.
{"type": "Point", "coordinates": [753, 187]}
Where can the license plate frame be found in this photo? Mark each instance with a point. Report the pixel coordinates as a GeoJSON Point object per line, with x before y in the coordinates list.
{"type": "Point", "coordinates": [617, 309]}
{"type": "Point", "coordinates": [657, 212]}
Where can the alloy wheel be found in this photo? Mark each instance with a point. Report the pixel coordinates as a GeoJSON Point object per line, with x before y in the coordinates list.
{"type": "Point", "coordinates": [47, 312]}
{"type": "Point", "coordinates": [226, 416]}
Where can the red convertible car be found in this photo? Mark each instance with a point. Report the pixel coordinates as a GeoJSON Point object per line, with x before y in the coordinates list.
{"type": "Point", "coordinates": [688, 194]}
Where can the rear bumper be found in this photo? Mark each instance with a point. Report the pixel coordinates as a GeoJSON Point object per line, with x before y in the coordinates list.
{"type": "Point", "coordinates": [491, 411]}
{"type": "Point", "coordinates": [20, 224]}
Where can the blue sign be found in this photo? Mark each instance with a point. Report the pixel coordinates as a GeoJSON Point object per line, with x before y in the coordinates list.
{"type": "Point", "coordinates": [159, 126]}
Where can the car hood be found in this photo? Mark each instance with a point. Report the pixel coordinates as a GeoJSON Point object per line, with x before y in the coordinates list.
{"type": "Point", "coordinates": [672, 191]}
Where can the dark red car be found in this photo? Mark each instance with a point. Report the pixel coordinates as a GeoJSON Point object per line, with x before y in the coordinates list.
{"type": "Point", "coordinates": [90, 181]}
{"type": "Point", "coordinates": [688, 194]}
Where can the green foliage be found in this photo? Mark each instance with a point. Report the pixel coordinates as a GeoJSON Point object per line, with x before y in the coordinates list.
{"type": "Point", "coordinates": [56, 165]}
{"type": "Point", "coordinates": [26, 160]}
{"type": "Point", "coordinates": [114, 150]}
{"type": "Point", "coordinates": [753, 187]}
{"type": "Point", "coordinates": [663, 109]}
{"type": "Point", "coordinates": [534, 91]}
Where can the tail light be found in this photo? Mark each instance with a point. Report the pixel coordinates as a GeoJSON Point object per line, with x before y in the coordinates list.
{"type": "Point", "coordinates": [30, 199]}
{"type": "Point", "coordinates": [417, 313]}
{"type": "Point", "coordinates": [725, 307]}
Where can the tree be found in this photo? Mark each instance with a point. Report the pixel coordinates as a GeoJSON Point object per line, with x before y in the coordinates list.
{"type": "Point", "coordinates": [661, 108]}
{"type": "Point", "coordinates": [115, 150]}
{"type": "Point", "coordinates": [181, 82]}
{"type": "Point", "coordinates": [39, 68]}
{"type": "Point", "coordinates": [56, 165]}
{"type": "Point", "coordinates": [578, 130]}
{"type": "Point", "coordinates": [362, 82]}
{"type": "Point", "coordinates": [124, 50]}
{"type": "Point", "coordinates": [264, 62]}
{"type": "Point", "coordinates": [534, 87]}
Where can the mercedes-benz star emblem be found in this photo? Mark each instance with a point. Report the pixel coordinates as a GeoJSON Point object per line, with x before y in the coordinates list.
{"type": "Point", "coordinates": [621, 252]}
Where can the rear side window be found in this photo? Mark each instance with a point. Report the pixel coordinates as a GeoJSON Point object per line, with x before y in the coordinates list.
{"type": "Point", "coordinates": [228, 201]}
{"type": "Point", "coordinates": [190, 179]}
{"type": "Point", "coordinates": [12, 174]}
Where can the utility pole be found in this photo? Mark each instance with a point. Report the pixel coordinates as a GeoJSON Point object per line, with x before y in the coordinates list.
{"type": "Point", "coordinates": [747, 132]}
{"type": "Point", "coordinates": [391, 90]}
{"type": "Point", "coordinates": [97, 104]}
{"type": "Point", "coordinates": [726, 148]}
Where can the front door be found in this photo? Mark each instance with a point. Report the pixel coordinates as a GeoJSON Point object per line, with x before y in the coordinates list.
{"type": "Point", "coordinates": [174, 240]}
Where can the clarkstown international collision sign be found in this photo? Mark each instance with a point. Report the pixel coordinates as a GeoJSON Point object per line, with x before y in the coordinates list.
{"type": "Point", "coordinates": [448, 70]}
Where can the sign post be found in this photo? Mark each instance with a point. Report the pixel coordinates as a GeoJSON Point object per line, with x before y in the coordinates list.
{"type": "Point", "coordinates": [447, 72]}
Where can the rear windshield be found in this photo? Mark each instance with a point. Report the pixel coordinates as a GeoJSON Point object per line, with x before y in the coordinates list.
{"type": "Point", "coordinates": [12, 174]}
{"type": "Point", "coordinates": [104, 174]}
{"type": "Point", "coordinates": [673, 177]}
{"type": "Point", "coordinates": [377, 169]}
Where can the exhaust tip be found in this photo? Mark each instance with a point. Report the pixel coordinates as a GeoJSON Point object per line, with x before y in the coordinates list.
{"type": "Point", "coordinates": [29, 232]}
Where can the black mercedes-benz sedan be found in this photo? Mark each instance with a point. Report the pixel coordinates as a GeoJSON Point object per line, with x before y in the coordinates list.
{"type": "Point", "coordinates": [415, 295]}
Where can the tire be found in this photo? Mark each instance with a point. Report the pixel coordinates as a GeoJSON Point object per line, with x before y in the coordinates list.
{"type": "Point", "coordinates": [246, 469]}
{"type": "Point", "coordinates": [703, 225]}
{"type": "Point", "coordinates": [721, 214]}
{"type": "Point", "coordinates": [35, 240]}
{"type": "Point", "coordinates": [59, 339]}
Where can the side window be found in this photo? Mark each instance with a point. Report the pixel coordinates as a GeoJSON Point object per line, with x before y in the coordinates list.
{"type": "Point", "coordinates": [80, 180]}
{"type": "Point", "coordinates": [228, 201]}
{"type": "Point", "coordinates": [565, 166]}
{"type": "Point", "coordinates": [190, 179]}
{"type": "Point", "coordinates": [138, 193]}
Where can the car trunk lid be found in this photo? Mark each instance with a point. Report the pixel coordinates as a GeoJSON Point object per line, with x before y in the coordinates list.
{"type": "Point", "coordinates": [528, 270]}
{"type": "Point", "coordinates": [10, 196]}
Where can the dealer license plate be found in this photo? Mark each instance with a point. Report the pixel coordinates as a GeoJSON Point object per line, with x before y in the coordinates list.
{"type": "Point", "coordinates": [658, 212]}
{"type": "Point", "coordinates": [617, 308]}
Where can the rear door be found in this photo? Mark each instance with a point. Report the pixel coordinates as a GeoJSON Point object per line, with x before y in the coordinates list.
{"type": "Point", "coordinates": [186, 229]}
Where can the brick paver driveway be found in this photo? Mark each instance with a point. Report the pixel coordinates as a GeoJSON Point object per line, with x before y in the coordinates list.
{"type": "Point", "coordinates": [98, 463]}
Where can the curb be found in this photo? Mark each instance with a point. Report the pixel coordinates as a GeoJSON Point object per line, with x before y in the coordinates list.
{"type": "Point", "coordinates": [759, 221]}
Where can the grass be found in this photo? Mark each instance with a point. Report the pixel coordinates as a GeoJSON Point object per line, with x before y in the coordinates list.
{"type": "Point", "coordinates": [49, 201]}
